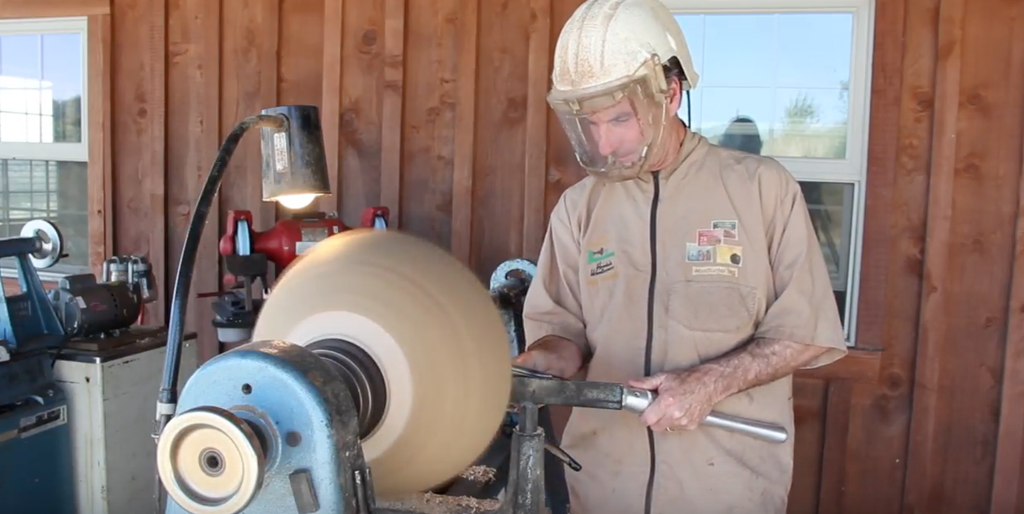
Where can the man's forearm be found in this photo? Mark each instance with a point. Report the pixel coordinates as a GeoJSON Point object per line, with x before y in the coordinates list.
{"type": "Point", "coordinates": [559, 355]}
{"type": "Point", "coordinates": [760, 362]}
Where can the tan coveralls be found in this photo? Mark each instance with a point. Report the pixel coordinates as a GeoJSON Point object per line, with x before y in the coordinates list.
{"type": "Point", "coordinates": [676, 270]}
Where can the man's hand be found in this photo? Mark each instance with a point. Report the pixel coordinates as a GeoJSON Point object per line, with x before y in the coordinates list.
{"type": "Point", "coordinates": [553, 355]}
{"type": "Point", "coordinates": [684, 399]}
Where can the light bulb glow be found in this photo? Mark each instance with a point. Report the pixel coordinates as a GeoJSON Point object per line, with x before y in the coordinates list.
{"type": "Point", "coordinates": [296, 201]}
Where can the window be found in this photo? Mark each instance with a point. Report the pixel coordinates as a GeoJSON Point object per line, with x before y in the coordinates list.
{"type": "Point", "coordinates": [43, 133]}
{"type": "Point", "coordinates": [791, 79]}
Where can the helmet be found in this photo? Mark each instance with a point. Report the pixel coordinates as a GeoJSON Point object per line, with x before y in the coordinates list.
{"type": "Point", "coordinates": [609, 89]}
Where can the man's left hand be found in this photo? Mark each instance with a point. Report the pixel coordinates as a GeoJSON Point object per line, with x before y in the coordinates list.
{"type": "Point", "coordinates": [684, 399]}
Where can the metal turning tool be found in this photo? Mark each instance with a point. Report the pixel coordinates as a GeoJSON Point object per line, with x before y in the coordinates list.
{"type": "Point", "coordinates": [547, 389]}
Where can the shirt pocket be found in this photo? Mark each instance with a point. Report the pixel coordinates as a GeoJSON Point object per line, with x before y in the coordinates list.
{"type": "Point", "coordinates": [710, 317]}
{"type": "Point", "coordinates": [713, 306]}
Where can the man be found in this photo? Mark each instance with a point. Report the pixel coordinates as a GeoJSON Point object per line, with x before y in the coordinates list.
{"type": "Point", "coordinates": [676, 266]}
{"type": "Point", "coordinates": [742, 134]}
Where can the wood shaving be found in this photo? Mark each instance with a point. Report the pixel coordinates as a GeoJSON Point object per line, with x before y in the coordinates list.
{"type": "Point", "coordinates": [430, 503]}
{"type": "Point", "coordinates": [479, 474]}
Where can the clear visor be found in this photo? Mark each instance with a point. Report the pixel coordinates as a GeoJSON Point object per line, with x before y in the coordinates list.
{"type": "Point", "coordinates": [614, 129]}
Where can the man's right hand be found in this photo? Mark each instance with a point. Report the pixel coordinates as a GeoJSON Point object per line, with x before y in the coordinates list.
{"type": "Point", "coordinates": [553, 355]}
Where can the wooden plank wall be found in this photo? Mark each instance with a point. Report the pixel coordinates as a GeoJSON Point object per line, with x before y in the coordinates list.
{"type": "Point", "coordinates": [941, 429]}
{"type": "Point", "coordinates": [437, 110]}
{"type": "Point", "coordinates": [406, 83]}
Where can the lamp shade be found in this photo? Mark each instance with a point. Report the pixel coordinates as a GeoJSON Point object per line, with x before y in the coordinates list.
{"type": "Point", "coordinates": [294, 164]}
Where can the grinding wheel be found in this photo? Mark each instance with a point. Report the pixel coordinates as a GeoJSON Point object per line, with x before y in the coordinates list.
{"type": "Point", "coordinates": [430, 327]}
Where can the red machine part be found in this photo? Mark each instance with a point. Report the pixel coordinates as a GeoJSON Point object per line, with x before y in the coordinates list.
{"type": "Point", "coordinates": [289, 238]}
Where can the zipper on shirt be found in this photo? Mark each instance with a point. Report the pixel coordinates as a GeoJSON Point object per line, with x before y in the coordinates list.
{"type": "Point", "coordinates": [650, 331]}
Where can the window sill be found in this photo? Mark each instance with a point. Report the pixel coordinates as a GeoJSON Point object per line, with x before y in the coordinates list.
{"type": "Point", "coordinates": [858, 366]}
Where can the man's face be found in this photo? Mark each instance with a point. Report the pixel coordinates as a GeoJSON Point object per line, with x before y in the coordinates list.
{"type": "Point", "coordinates": [615, 132]}
{"type": "Point", "coordinates": [614, 135]}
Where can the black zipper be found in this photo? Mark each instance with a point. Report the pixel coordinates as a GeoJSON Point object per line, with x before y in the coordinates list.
{"type": "Point", "coordinates": [650, 331]}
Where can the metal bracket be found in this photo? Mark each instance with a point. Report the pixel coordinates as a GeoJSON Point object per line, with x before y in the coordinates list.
{"type": "Point", "coordinates": [509, 284]}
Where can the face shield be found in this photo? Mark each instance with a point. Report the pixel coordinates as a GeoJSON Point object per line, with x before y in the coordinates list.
{"type": "Point", "coordinates": [615, 128]}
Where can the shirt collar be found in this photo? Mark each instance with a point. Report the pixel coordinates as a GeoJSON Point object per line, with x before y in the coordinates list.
{"type": "Point", "coordinates": [691, 141]}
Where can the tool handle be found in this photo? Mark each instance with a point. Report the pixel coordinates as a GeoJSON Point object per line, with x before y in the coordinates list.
{"type": "Point", "coordinates": [757, 429]}
{"type": "Point", "coordinates": [637, 400]}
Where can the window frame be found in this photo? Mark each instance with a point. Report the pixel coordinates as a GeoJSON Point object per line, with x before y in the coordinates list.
{"type": "Point", "coordinates": [78, 152]}
{"type": "Point", "coordinates": [55, 151]}
{"type": "Point", "coordinates": [854, 168]}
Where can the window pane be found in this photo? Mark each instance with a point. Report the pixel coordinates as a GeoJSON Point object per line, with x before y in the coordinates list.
{"type": "Point", "coordinates": [19, 57]}
{"type": "Point", "coordinates": [55, 191]}
{"type": "Point", "coordinates": [787, 74]}
{"type": "Point", "coordinates": [62, 86]}
{"type": "Point", "coordinates": [18, 176]}
{"type": "Point", "coordinates": [41, 86]}
{"type": "Point", "coordinates": [831, 210]}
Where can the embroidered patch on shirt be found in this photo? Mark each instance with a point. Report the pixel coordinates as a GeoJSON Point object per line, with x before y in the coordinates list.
{"type": "Point", "coordinates": [710, 237]}
{"type": "Point", "coordinates": [716, 245]}
{"type": "Point", "coordinates": [729, 254]}
{"type": "Point", "coordinates": [698, 253]}
{"type": "Point", "coordinates": [600, 261]}
{"type": "Point", "coordinates": [715, 270]}
{"type": "Point", "coordinates": [730, 228]}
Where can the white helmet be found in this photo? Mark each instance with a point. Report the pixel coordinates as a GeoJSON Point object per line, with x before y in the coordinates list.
{"type": "Point", "coordinates": [608, 83]}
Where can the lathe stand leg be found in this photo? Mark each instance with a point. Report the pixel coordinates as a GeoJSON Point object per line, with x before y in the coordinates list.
{"type": "Point", "coordinates": [525, 491]}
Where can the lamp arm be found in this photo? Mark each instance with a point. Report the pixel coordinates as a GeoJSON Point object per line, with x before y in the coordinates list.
{"type": "Point", "coordinates": [168, 398]}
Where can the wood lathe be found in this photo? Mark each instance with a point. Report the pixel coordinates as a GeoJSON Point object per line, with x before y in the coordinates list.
{"type": "Point", "coordinates": [379, 370]}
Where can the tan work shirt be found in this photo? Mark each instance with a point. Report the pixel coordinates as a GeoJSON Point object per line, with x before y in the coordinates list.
{"type": "Point", "coordinates": [679, 269]}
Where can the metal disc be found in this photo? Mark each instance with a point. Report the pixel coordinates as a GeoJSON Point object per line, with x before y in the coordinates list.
{"type": "Point", "coordinates": [431, 328]}
{"type": "Point", "coordinates": [210, 461]}
{"type": "Point", "coordinates": [512, 268]}
{"type": "Point", "coordinates": [52, 243]}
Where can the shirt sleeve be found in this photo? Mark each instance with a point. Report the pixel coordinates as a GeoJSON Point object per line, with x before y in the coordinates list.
{"type": "Point", "coordinates": [804, 310]}
{"type": "Point", "coordinates": [552, 305]}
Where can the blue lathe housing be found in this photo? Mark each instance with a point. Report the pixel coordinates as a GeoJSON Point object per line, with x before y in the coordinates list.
{"type": "Point", "coordinates": [266, 428]}
{"type": "Point", "coordinates": [36, 474]}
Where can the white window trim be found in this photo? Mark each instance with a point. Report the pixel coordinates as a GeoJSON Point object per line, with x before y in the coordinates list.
{"type": "Point", "coordinates": [853, 169]}
{"type": "Point", "coordinates": [73, 152]}
{"type": "Point", "coordinates": [53, 151]}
